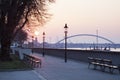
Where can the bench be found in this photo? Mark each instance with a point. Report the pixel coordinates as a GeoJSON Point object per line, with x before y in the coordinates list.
{"type": "Point", "coordinates": [116, 67]}
{"type": "Point", "coordinates": [107, 64]}
{"type": "Point", "coordinates": [32, 60]}
{"type": "Point", "coordinates": [103, 64]}
{"type": "Point", "coordinates": [96, 62]}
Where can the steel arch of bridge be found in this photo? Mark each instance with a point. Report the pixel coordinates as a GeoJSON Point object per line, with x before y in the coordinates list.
{"type": "Point", "coordinates": [87, 35]}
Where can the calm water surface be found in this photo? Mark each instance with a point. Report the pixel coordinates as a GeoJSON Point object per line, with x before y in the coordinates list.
{"type": "Point", "coordinates": [111, 49]}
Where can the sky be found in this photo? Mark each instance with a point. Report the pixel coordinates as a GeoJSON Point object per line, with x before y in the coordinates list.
{"type": "Point", "coordinates": [83, 17]}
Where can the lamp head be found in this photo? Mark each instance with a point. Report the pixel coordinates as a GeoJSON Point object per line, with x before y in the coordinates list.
{"type": "Point", "coordinates": [43, 33]}
{"type": "Point", "coordinates": [66, 26]}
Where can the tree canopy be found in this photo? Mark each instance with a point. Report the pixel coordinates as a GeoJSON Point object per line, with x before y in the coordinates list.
{"type": "Point", "coordinates": [20, 37]}
{"type": "Point", "coordinates": [14, 14]}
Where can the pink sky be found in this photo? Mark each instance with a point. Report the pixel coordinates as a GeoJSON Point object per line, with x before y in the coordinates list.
{"type": "Point", "coordinates": [83, 17]}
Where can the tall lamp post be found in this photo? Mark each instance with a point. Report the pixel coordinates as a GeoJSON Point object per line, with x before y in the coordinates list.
{"type": "Point", "coordinates": [43, 43]}
{"type": "Point", "coordinates": [32, 44]}
{"type": "Point", "coordinates": [66, 27]}
{"type": "Point", "coordinates": [97, 39]}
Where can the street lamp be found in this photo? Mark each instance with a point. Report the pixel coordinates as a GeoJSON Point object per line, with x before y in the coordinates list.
{"type": "Point", "coordinates": [32, 44]}
{"type": "Point", "coordinates": [43, 43]}
{"type": "Point", "coordinates": [66, 27]}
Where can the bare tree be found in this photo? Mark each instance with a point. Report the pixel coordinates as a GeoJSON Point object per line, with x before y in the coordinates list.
{"type": "Point", "coordinates": [14, 14]}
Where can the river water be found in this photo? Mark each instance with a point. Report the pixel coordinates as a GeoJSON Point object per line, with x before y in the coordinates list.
{"type": "Point", "coordinates": [111, 49]}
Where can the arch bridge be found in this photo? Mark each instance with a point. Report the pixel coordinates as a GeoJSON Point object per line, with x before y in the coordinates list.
{"type": "Point", "coordinates": [87, 35]}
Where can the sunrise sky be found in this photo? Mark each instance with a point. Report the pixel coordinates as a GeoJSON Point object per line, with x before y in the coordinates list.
{"type": "Point", "coordinates": [83, 17]}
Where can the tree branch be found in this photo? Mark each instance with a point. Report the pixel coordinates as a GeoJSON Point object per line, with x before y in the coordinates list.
{"type": "Point", "coordinates": [26, 19]}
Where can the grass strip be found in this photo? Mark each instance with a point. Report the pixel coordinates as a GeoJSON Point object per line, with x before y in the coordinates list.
{"type": "Point", "coordinates": [15, 64]}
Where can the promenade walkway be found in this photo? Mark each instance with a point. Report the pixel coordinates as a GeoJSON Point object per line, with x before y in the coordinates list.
{"type": "Point", "coordinates": [20, 75]}
{"type": "Point", "coordinates": [54, 68]}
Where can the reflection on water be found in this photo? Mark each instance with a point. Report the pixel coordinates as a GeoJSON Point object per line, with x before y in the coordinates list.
{"type": "Point", "coordinates": [111, 49]}
{"type": "Point", "coordinates": [117, 49]}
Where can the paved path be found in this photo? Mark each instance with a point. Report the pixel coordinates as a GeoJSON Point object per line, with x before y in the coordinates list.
{"type": "Point", "coordinates": [20, 75]}
{"type": "Point", "coordinates": [54, 68]}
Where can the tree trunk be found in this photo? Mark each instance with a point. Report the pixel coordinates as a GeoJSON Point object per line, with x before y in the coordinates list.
{"type": "Point", "coordinates": [5, 49]}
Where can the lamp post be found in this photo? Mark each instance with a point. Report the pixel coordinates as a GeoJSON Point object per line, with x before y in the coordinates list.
{"type": "Point", "coordinates": [66, 27]}
{"type": "Point", "coordinates": [97, 39]}
{"type": "Point", "coordinates": [32, 44]}
{"type": "Point", "coordinates": [43, 43]}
